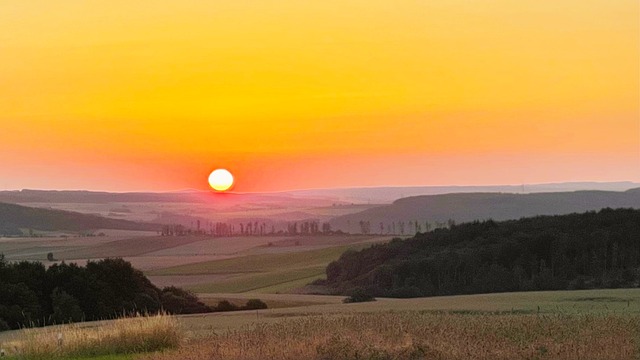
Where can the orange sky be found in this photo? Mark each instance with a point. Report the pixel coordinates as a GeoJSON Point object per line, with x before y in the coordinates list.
{"type": "Point", "coordinates": [153, 95]}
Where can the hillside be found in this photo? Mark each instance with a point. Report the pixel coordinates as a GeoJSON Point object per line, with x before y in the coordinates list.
{"type": "Point", "coordinates": [15, 217]}
{"type": "Point", "coordinates": [386, 195]}
{"type": "Point", "coordinates": [483, 206]}
{"type": "Point", "coordinates": [576, 251]}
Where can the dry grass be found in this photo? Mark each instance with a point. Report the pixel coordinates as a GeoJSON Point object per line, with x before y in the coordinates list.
{"type": "Point", "coordinates": [419, 335]}
{"type": "Point", "coordinates": [121, 336]}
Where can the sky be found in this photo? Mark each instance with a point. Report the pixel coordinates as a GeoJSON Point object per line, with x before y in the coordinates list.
{"type": "Point", "coordinates": [127, 95]}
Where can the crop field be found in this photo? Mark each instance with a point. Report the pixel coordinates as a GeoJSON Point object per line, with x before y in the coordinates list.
{"type": "Point", "coordinates": [285, 209]}
{"type": "Point", "coordinates": [593, 324]}
{"type": "Point", "coordinates": [624, 302]}
{"type": "Point", "coordinates": [419, 335]}
{"type": "Point", "coordinates": [274, 301]}
{"type": "Point", "coordinates": [204, 264]}
{"type": "Point", "coordinates": [273, 272]}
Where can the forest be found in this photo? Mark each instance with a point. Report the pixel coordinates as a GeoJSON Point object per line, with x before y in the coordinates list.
{"type": "Point", "coordinates": [33, 295]}
{"type": "Point", "coordinates": [577, 251]}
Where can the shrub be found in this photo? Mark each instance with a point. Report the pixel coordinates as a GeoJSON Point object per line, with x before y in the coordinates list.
{"type": "Point", "coordinates": [358, 295]}
{"type": "Point", "coordinates": [224, 305]}
{"type": "Point", "coordinates": [179, 301]}
{"type": "Point", "coordinates": [255, 304]}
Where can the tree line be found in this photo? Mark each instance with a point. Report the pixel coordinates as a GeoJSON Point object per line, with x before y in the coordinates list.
{"type": "Point", "coordinates": [33, 295]}
{"type": "Point", "coordinates": [577, 251]}
{"type": "Point", "coordinates": [250, 228]}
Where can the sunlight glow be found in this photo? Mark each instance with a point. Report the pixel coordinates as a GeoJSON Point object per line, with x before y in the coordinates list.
{"type": "Point", "coordinates": [221, 180]}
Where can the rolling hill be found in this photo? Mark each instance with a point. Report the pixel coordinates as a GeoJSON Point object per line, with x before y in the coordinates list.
{"type": "Point", "coordinates": [13, 218]}
{"type": "Point", "coordinates": [483, 206]}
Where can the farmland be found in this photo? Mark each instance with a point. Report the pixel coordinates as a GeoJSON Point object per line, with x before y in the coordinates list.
{"type": "Point", "coordinates": [204, 264]}
{"type": "Point", "coordinates": [414, 335]}
{"type": "Point", "coordinates": [570, 303]}
{"type": "Point", "coordinates": [599, 324]}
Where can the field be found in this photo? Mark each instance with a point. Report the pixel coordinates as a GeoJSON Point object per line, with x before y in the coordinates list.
{"type": "Point", "coordinates": [203, 264]}
{"type": "Point", "coordinates": [594, 324]}
{"type": "Point", "coordinates": [603, 324]}
{"type": "Point", "coordinates": [575, 302]}
{"type": "Point", "coordinates": [281, 269]}
{"type": "Point", "coordinates": [414, 335]}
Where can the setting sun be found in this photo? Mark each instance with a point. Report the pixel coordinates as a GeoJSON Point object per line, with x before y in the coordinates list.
{"type": "Point", "coordinates": [221, 180]}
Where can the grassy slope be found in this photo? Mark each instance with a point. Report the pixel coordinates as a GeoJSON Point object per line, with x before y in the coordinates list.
{"type": "Point", "coordinates": [14, 217]}
{"type": "Point", "coordinates": [496, 206]}
{"type": "Point", "coordinates": [264, 273]}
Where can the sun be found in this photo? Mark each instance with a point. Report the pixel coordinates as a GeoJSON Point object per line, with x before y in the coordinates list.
{"type": "Point", "coordinates": [221, 180]}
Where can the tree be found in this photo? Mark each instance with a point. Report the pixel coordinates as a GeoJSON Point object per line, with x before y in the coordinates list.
{"type": "Point", "coordinates": [255, 304]}
{"type": "Point", "coordinates": [178, 301]}
{"type": "Point", "coordinates": [358, 295]}
{"type": "Point", "coordinates": [225, 305]}
{"type": "Point", "coordinates": [65, 307]}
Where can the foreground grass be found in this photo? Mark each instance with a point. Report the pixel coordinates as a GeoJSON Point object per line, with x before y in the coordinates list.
{"type": "Point", "coordinates": [111, 340]}
{"type": "Point", "coordinates": [424, 335]}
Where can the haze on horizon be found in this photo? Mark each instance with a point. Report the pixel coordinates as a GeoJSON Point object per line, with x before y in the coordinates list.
{"type": "Point", "coordinates": [154, 95]}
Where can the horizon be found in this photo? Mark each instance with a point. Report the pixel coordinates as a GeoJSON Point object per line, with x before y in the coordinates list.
{"type": "Point", "coordinates": [328, 189]}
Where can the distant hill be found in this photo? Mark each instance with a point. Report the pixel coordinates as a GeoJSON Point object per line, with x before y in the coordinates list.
{"type": "Point", "coordinates": [483, 206]}
{"type": "Point", "coordinates": [388, 194]}
{"type": "Point", "coordinates": [15, 217]}
{"type": "Point", "coordinates": [576, 251]}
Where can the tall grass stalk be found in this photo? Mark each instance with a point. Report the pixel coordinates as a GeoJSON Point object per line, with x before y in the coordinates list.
{"type": "Point", "coordinates": [121, 336]}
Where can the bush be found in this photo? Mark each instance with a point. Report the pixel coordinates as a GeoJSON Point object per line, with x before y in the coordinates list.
{"type": "Point", "coordinates": [255, 304]}
{"type": "Point", "coordinates": [359, 295]}
{"type": "Point", "coordinates": [224, 305]}
{"type": "Point", "coordinates": [179, 301]}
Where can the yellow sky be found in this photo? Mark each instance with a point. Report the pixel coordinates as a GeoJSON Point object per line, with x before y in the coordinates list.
{"type": "Point", "coordinates": [124, 95]}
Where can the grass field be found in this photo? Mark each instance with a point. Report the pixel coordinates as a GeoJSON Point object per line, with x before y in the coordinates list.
{"type": "Point", "coordinates": [264, 273]}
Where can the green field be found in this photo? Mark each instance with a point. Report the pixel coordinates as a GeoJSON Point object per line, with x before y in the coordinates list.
{"type": "Point", "coordinates": [265, 273]}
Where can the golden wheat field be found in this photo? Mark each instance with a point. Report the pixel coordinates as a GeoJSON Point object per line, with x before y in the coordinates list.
{"type": "Point", "coordinates": [422, 335]}
{"type": "Point", "coordinates": [382, 330]}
